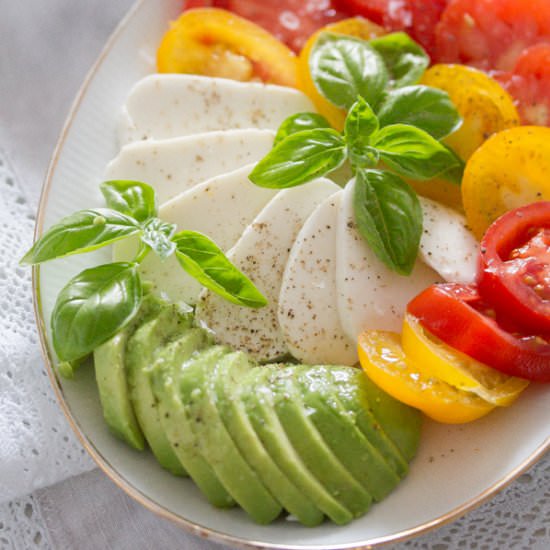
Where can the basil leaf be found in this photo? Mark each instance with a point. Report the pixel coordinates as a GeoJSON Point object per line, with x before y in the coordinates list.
{"type": "Point", "coordinates": [455, 174]}
{"type": "Point", "coordinates": [132, 198]}
{"type": "Point", "coordinates": [361, 123]}
{"type": "Point", "coordinates": [93, 306]}
{"type": "Point", "coordinates": [80, 232]}
{"type": "Point", "coordinates": [157, 234]}
{"type": "Point", "coordinates": [388, 216]}
{"type": "Point", "coordinates": [344, 68]}
{"type": "Point", "coordinates": [426, 108]}
{"type": "Point", "coordinates": [204, 261]}
{"type": "Point", "coordinates": [298, 123]}
{"type": "Point", "coordinates": [412, 152]}
{"type": "Point", "coordinates": [299, 158]}
{"type": "Point", "coordinates": [405, 60]}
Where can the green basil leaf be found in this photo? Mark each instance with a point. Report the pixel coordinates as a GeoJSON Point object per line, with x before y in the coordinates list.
{"type": "Point", "coordinates": [455, 174]}
{"type": "Point", "coordinates": [388, 216]}
{"type": "Point", "coordinates": [361, 123]}
{"type": "Point", "coordinates": [158, 234]}
{"type": "Point", "coordinates": [344, 68]}
{"type": "Point", "coordinates": [426, 108]}
{"type": "Point", "coordinates": [93, 306]}
{"type": "Point", "coordinates": [405, 60]}
{"type": "Point", "coordinates": [204, 261]}
{"type": "Point", "coordinates": [299, 158]}
{"type": "Point", "coordinates": [411, 152]}
{"type": "Point", "coordinates": [132, 198]}
{"type": "Point", "coordinates": [299, 123]}
{"type": "Point", "coordinates": [81, 232]}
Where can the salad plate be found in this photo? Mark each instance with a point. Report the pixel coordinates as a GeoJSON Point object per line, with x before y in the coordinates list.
{"type": "Point", "coordinates": [456, 468]}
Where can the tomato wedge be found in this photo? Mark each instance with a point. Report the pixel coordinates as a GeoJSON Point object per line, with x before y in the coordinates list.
{"type": "Point", "coordinates": [514, 271]}
{"type": "Point", "coordinates": [491, 34]}
{"type": "Point", "coordinates": [529, 84]}
{"type": "Point", "coordinates": [457, 315]}
{"type": "Point", "coordinates": [215, 42]}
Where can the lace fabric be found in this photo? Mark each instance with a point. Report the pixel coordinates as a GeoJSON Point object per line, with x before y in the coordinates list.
{"type": "Point", "coordinates": [37, 446]}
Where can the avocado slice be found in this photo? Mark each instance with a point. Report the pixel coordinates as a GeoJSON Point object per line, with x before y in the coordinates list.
{"type": "Point", "coordinates": [110, 373]}
{"type": "Point", "coordinates": [348, 444]}
{"type": "Point", "coordinates": [401, 422]}
{"type": "Point", "coordinates": [215, 443]}
{"type": "Point", "coordinates": [143, 348]}
{"type": "Point", "coordinates": [259, 407]}
{"type": "Point", "coordinates": [306, 439]}
{"type": "Point", "coordinates": [227, 378]}
{"type": "Point", "coordinates": [165, 374]}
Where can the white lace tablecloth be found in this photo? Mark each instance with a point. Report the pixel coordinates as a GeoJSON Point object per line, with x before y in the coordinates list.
{"type": "Point", "coordinates": [38, 449]}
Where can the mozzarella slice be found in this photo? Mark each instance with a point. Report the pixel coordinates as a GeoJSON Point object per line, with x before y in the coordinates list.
{"type": "Point", "coordinates": [221, 208]}
{"type": "Point", "coordinates": [308, 302]}
{"type": "Point", "coordinates": [170, 105]}
{"type": "Point", "coordinates": [174, 165]}
{"type": "Point", "coordinates": [370, 295]}
{"type": "Point", "coordinates": [262, 253]}
{"type": "Point", "coordinates": [447, 245]}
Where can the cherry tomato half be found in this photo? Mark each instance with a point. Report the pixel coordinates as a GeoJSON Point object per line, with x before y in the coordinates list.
{"type": "Point", "coordinates": [514, 272]}
{"type": "Point", "coordinates": [491, 34]}
{"type": "Point", "coordinates": [458, 316]}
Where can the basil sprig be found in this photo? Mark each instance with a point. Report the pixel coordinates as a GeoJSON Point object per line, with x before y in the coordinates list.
{"type": "Point", "coordinates": [393, 128]}
{"type": "Point", "coordinates": [101, 300]}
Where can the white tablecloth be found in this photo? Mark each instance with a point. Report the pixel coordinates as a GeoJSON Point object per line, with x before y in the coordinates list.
{"type": "Point", "coordinates": [49, 498]}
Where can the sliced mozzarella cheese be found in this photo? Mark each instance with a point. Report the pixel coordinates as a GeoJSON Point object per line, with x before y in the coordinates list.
{"type": "Point", "coordinates": [221, 208]}
{"type": "Point", "coordinates": [262, 253]}
{"type": "Point", "coordinates": [447, 245]}
{"type": "Point", "coordinates": [370, 295]}
{"type": "Point", "coordinates": [172, 166]}
{"type": "Point", "coordinates": [308, 302]}
{"type": "Point", "coordinates": [170, 105]}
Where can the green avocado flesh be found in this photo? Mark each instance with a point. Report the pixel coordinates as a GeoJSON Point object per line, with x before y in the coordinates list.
{"type": "Point", "coordinates": [309, 441]}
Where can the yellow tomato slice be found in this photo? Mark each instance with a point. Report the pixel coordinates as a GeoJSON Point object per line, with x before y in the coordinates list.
{"type": "Point", "coordinates": [456, 369]}
{"type": "Point", "coordinates": [384, 362]}
{"type": "Point", "coordinates": [510, 170]}
{"type": "Point", "coordinates": [355, 26]}
{"type": "Point", "coordinates": [485, 107]}
{"type": "Point", "coordinates": [215, 42]}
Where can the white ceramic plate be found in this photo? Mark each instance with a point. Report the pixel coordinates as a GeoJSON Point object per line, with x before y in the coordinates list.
{"type": "Point", "coordinates": [456, 468]}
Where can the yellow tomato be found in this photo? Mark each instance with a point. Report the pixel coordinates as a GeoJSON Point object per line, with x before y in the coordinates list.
{"type": "Point", "coordinates": [456, 369]}
{"type": "Point", "coordinates": [355, 26]}
{"type": "Point", "coordinates": [215, 42]}
{"type": "Point", "coordinates": [510, 170]}
{"type": "Point", "coordinates": [384, 362]}
{"type": "Point", "coordinates": [486, 108]}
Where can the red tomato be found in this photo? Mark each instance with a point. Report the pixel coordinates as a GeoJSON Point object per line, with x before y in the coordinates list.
{"type": "Point", "coordinates": [458, 316]}
{"type": "Point", "coordinates": [417, 17]}
{"type": "Point", "coordinates": [529, 84]}
{"type": "Point", "coordinates": [291, 21]}
{"type": "Point", "coordinates": [514, 272]}
{"type": "Point", "coordinates": [490, 34]}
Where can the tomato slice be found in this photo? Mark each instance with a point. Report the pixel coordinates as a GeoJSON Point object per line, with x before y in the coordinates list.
{"type": "Point", "coordinates": [215, 42]}
{"type": "Point", "coordinates": [458, 316]}
{"type": "Point", "coordinates": [417, 17]}
{"type": "Point", "coordinates": [491, 34]}
{"type": "Point", "coordinates": [529, 84]}
{"type": "Point", "coordinates": [515, 266]}
{"type": "Point", "coordinates": [291, 21]}
{"type": "Point", "coordinates": [385, 363]}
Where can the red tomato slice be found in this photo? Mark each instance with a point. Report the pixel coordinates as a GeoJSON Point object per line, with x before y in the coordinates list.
{"type": "Point", "coordinates": [417, 17]}
{"type": "Point", "coordinates": [514, 271]}
{"type": "Point", "coordinates": [491, 34]}
{"type": "Point", "coordinates": [458, 316]}
{"type": "Point", "coordinates": [529, 84]}
{"type": "Point", "coordinates": [291, 21]}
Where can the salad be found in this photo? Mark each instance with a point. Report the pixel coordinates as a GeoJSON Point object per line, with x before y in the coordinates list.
{"type": "Point", "coordinates": [327, 202]}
